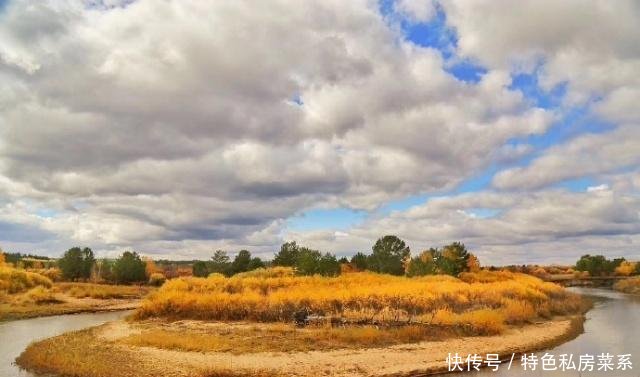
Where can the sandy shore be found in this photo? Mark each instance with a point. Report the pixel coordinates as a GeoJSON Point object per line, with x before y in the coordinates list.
{"type": "Point", "coordinates": [410, 359]}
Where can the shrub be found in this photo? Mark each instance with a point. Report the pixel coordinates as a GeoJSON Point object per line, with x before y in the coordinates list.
{"type": "Point", "coordinates": [625, 268]}
{"type": "Point", "coordinates": [157, 279]}
{"type": "Point", "coordinates": [39, 295]}
{"type": "Point", "coordinates": [13, 280]}
{"type": "Point", "coordinates": [631, 285]}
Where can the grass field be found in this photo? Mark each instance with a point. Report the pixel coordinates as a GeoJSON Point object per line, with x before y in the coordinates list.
{"type": "Point", "coordinates": [483, 301]}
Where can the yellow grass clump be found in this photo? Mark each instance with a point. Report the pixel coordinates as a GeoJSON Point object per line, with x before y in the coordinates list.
{"type": "Point", "coordinates": [484, 300]}
{"type": "Point", "coordinates": [54, 274]}
{"type": "Point", "coordinates": [14, 280]}
{"type": "Point", "coordinates": [631, 285]}
{"type": "Point", "coordinates": [101, 291]}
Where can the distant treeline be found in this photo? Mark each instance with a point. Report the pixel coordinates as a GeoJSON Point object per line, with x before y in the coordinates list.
{"type": "Point", "coordinates": [599, 265]}
{"type": "Point", "coordinates": [16, 257]}
{"type": "Point", "coordinates": [389, 255]}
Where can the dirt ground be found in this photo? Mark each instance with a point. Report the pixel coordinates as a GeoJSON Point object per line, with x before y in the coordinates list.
{"type": "Point", "coordinates": [423, 357]}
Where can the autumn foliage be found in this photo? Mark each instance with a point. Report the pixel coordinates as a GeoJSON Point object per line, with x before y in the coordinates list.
{"type": "Point", "coordinates": [486, 300]}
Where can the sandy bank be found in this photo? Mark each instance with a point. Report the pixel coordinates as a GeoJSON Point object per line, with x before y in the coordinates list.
{"type": "Point", "coordinates": [402, 360]}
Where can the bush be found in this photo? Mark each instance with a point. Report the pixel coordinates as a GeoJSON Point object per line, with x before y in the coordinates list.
{"type": "Point", "coordinates": [39, 295]}
{"type": "Point", "coordinates": [13, 280]}
{"type": "Point", "coordinates": [631, 285]}
{"type": "Point", "coordinates": [156, 279]}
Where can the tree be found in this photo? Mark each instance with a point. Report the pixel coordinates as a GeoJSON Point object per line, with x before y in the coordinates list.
{"type": "Point", "coordinates": [288, 255]}
{"type": "Point", "coordinates": [308, 261]}
{"type": "Point", "coordinates": [389, 255]}
{"type": "Point", "coordinates": [328, 265]}
{"type": "Point", "coordinates": [424, 264]}
{"type": "Point", "coordinates": [241, 262]}
{"type": "Point", "coordinates": [2, 258]}
{"type": "Point", "coordinates": [596, 265]}
{"type": "Point", "coordinates": [129, 268]}
{"type": "Point", "coordinates": [76, 263]}
{"type": "Point", "coordinates": [220, 263]}
{"type": "Point", "coordinates": [200, 269]}
{"type": "Point", "coordinates": [473, 263]}
{"type": "Point", "coordinates": [453, 259]}
{"type": "Point", "coordinates": [255, 263]}
{"type": "Point", "coordinates": [359, 261]}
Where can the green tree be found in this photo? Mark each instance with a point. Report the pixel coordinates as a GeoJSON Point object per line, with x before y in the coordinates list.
{"type": "Point", "coordinates": [220, 263]}
{"type": "Point", "coordinates": [389, 255]}
{"type": "Point", "coordinates": [241, 262]}
{"type": "Point", "coordinates": [76, 263]}
{"type": "Point", "coordinates": [328, 265]}
{"type": "Point", "coordinates": [288, 255]}
{"type": "Point", "coordinates": [200, 269]}
{"type": "Point", "coordinates": [359, 261]}
{"type": "Point", "coordinates": [308, 261]}
{"type": "Point", "coordinates": [129, 268]}
{"type": "Point", "coordinates": [453, 259]}
{"type": "Point", "coordinates": [424, 264]}
{"type": "Point", "coordinates": [597, 265]}
{"type": "Point", "coordinates": [255, 263]}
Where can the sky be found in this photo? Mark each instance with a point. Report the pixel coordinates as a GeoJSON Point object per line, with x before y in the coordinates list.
{"type": "Point", "coordinates": [178, 127]}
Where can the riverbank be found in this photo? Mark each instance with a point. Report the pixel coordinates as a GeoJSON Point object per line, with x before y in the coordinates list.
{"type": "Point", "coordinates": [70, 298]}
{"type": "Point", "coordinates": [12, 312]}
{"type": "Point", "coordinates": [104, 351]}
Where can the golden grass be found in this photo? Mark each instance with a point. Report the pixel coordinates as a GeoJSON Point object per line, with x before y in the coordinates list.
{"type": "Point", "coordinates": [102, 291]}
{"type": "Point", "coordinates": [631, 285]}
{"type": "Point", "coordinates": [484, 301]}
{"type": "Point", "coordinates": [284, 337]}
{"type": "Point", "coordinates": [15, 280]}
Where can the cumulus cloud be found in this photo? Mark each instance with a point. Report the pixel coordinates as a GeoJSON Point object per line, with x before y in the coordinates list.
{"type": "Point", "coordinates": [548, 226]}
{"type": "Point", "coordinates": [145, 120]}
{"type": "Point", "coordinates": [147, 125]}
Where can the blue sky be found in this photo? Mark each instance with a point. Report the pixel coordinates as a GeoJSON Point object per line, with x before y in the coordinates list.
{"type": "Point", "coordinates": [437, 34]}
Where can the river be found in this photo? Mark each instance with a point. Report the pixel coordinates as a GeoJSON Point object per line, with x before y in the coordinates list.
{"type": "Point", "coordinates": [15, 336]}
{"type": "Point", "coordinates": [612, 327]}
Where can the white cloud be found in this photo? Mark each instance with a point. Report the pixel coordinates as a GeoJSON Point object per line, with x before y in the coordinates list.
{"type": "Point", "coordinates": [148, 125]}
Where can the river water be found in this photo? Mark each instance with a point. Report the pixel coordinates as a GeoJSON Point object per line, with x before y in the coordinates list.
{"type": "Point", "coordinates": [15, 336]}
{"type": "Point", "coordinates": [612, 326]}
